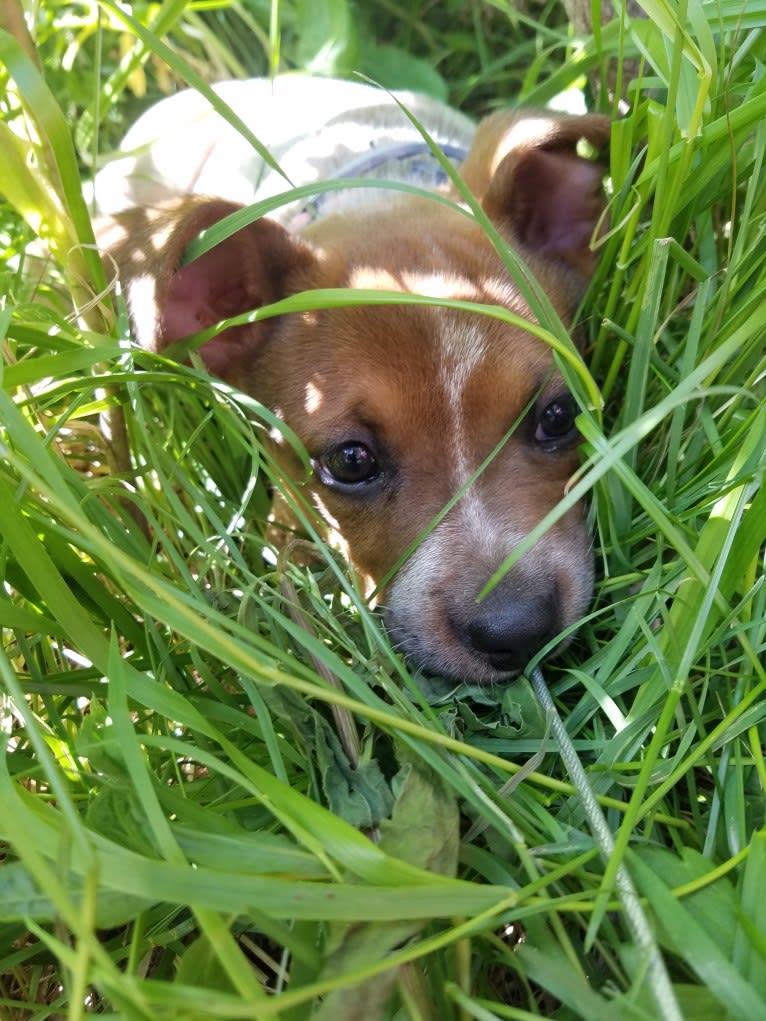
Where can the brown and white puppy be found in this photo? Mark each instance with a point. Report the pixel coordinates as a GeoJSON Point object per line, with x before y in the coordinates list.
{"type": "Point", "coordinates": [399, 405]}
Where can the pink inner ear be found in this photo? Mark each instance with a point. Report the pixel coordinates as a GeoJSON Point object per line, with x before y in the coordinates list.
{"type": "Point", "coordinates": [188, 308]}
{"type": "Point", "coordinates": [212, 288]}
{"type": "Point", "coordinates": [556, 202]}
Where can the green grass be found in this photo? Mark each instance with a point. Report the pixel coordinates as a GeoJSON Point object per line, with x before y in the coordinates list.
{"type": "Point", "coordinates": [183, 835]}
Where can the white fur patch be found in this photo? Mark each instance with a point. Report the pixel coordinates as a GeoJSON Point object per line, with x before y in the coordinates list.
{"type": "Point", "coordinates": [463, 350]}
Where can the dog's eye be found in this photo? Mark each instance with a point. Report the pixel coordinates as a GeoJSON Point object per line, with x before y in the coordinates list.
{"type": "Point", "coordinates": [348, 464]}
{"type": "Point", "coordinates": [556, 422]}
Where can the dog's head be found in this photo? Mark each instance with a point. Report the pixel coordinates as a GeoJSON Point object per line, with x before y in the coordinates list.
{"type": "Point", "coordinates": [399, 405]}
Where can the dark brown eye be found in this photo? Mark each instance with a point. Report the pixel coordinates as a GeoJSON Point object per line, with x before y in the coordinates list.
{"type": "Point", "coordinates": [348, 464]}
{"type": "Point", "coordinates": [556, 422]}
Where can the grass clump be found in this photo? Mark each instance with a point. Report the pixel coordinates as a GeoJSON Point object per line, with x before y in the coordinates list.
{"type": "Point", "coordinates": [201, 737]}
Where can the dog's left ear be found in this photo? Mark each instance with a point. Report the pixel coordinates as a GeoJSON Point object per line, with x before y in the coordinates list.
{"type": "Point", "coordinates": [537, 189]}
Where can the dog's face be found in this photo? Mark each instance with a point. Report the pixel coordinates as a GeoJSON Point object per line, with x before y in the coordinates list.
{"type": "Point", "coordinates": [399, 406]}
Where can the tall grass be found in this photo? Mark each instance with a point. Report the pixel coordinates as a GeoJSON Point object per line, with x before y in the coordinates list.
{"type": "Point", "coordinates": [202, 737]}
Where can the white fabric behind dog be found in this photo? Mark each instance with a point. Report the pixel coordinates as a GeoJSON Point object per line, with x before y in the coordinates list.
{"type": "Point", "coordinates": [314, 128]}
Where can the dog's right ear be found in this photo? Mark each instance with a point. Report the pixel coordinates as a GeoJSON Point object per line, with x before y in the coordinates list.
{"type": "Point", "coordinates": [168, 300]}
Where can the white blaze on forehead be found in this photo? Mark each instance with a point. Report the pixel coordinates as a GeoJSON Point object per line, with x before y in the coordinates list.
{"type": "Point", "coordinates": [463, 348]}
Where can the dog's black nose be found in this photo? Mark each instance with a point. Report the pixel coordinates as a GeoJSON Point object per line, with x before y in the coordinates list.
{"type": "Point", "coordinates": [509, 629]}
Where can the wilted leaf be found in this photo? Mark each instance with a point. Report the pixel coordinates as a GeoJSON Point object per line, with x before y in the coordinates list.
{"type": "Point", "coordinates": [359, 795]}
{"type": "Point", "coordinates": [423, 830]}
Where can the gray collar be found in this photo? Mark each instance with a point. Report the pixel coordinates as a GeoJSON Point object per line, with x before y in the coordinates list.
{"type": "Point", "coordinates": [406, 162]}
{"type": "Point", "coordinates": [364, 166]}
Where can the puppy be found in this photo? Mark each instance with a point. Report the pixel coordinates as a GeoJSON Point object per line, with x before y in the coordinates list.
{"type": "Point", "coordinates": [399, 405]}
